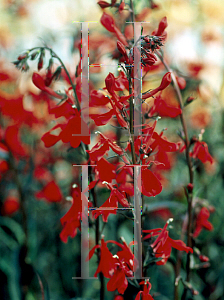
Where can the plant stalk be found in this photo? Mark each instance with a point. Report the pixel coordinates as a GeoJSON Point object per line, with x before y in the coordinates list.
{"type": "Point", "coordinates": [191, 178]}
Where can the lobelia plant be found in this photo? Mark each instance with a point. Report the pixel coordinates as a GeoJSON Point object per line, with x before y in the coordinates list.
{"type": "Point", "coordinates": [131, 166]}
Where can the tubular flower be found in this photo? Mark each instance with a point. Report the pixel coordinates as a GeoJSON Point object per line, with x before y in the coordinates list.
{"type": "Point", "coordinates": [164, 110]}
{"type": "Point", "coordinates": [51, 192]}
{"type": "Point", "coordinates": [115, 267]}
{"type": "Point", "coordinates": [70, 133]}
{"type": "Point", "coordinates": [71, 220]}
{"type": "Point", "coordinates": [111, 204]}
{"type": "Point", "coordinates": [163, 245]}
{"type": "Point", "coordinates": [107, 268]}
{"type": "Point", "coordinates": [166, 80]}
{"type": "Point", "coordinates": [108, 22]}
{"type": "Point", "coordinates": [202, 221]}
{"type": "Point", "coordinates": [145, 293]}
{"type": "Point", "coordinates": [200, 151]}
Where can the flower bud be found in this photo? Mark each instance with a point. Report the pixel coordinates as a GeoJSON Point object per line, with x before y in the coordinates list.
{"type": "Point", "coordinates": [22, 56]}
{"type": "Point", "coordinates": [110, 83]}
{"type": "Point", "coordinates": [190, 187]}
{"type": "Point", "coordinates": [189, 99]}
{"type": "Point", "coordinates": [103, 4]}
{"type": "Point", "coordinates": [181, 82]}
{"type": "Point", "coordinates": [162, 26]}
{"type": "Point", "coordinates": [34, 55]}
{"type": "Point", "coordinates": [10, 206]}
{"type": "Point", "coordinates": [41, 60]}
{"type": "Point", "coordinates": [108, 22]}
{"type": "Point", "coordinates": [203, 258]}
{"type": "Point", "coordinates": [122, 50]}
{"type": "Point", "coordinates": [118, 297]}
{"type": "Point", "coordinates": [113, 2]}
{"type": "Point", "coordinates": [122, 6]}
{"type": "Point", "coordinates": [166, 80]}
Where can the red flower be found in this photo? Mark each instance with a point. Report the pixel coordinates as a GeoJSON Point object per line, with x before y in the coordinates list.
{"type": "Point", "coordinates": [51, 192]}
{"type": "Point", "coordinates": [71, 133]}
{"type": "Point", "coordinates": [12, 106]}
{"type": "Point", "coordinates": [107, 264]}
{"type": "Point", "coordinates": [10, 205]}
{"type": "Point", "coordinates": [145, 293]}
{"type": "Point", "coordinates": [13, 142]}
{"type": "Point", "coordinates": [112, 266]}
{"type": "Point", "coordinates": [102, 147]}
{"type": "Point", "coordinates": [127, 256]}
{"type": "Point", "coordinates": [163, 245]}
{"type": "Point", "coordinates": [106, 170]}
{"type": "Point", "coordinates": [111, 204]}
{"type": "Point", "coordinates": [148, 183]}
{"type": "Point", "coordinates": [103, 4]}
{"type": "Point", "coordinates": [161, 28]}
{"type": "Point", "coordinates": [164, 110]}
{"type": "Point", "coordinates": [122, 50]}
{"type": "Point", "coordinates": [200, 151]}
{"type": "Point", "coordinates": [66, 110]}
{"type": "Point", "coordinates": [71, 220]}
{"type": "Point", "coordinates": [202, 221]}
{"type": "Point", "coordinates": [118, 297]}
{"type": "Point", "coordinates": [98, 99]}
{"type": "Point", "coordinates": [40, 84]}
{"type": "Point", "coordinates": [166, 80]}
{"type": "Point", "coordinates": [108, 22]}
{"type": "Point", "coordinates": [102, 119]}
{"type": "Point", "coordinates": [118, 280]}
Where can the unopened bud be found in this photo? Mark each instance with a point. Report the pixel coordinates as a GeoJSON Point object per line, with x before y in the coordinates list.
{"type": "Point", "coordinates": [166, 80]}
{"type": "Point", "coordinates": [103, 4]}
{"type": "Point", "coordinates": [181, 82]}
{"type": "Point", "coordinates": [110, 83]}
{"type": "Point", "coordinates": [22, 56]}
{"type": "Point", "coordinates": [189, 100]}
{"type": "Point", "coordinates": [203, 258]}
{"type": "Point", "coordinates": [190, 187]}
{"type": "Point", "coordinates": [41, 60]}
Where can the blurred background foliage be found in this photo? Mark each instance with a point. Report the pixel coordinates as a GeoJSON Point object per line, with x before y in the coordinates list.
{"type": "Point", "coordinates": [194, 48]}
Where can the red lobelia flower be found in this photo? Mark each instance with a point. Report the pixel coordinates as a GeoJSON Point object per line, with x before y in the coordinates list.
{"type": "Point", "coordinates": [202, 221]}
{"type": "Point", "coordinates": [166, 80]}
{"type": "Point", "coordinates": [111, 204]}
{"type": "Point", "coordinates": [102, 147]}
{"type": "Point", "coordinates": [107, 264]}
{"type": "Point", "coordinates": [163, 245]}
{"type": "Point", "coordinates": [108, 22]}
{"type": "Point", "coordinates": [163, 110]}
{"type": "Point", "coordinates": [118, 280]}
{"type": "Point", "coordinates": [13, 142]}
{"type": "Point", "coordinates": [10, 206]}
{"type": "Point", "coordinates": [51, 192]}
{"type": "Point", "coordinates": [148, 183]}
{"type": "Point", "coordinates": [200, 151]}
{"type": "Point", "coordinates": [144, 295]}
{"type": "Point", "coordinates": [71, 220]}
{"type": "Point", "coordinates": [40, 84]}
{"type": "Point", "coordinates": [70, 133]}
